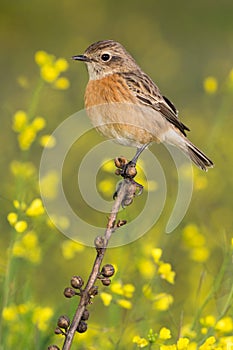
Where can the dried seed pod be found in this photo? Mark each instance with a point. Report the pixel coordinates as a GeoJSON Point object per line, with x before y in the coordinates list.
{"type": "Point", "coordinates": [58, 331]}
{"type": "Point", "coordinates": [76, 282]}
{"type": "Point", "coordinates": [121, 223]}
{"type": "Point", "coordinates": [93, 291]}
{"type": "Point", "coordinates": [63, 322]}
{"type": "Point", "coordinates": [53, 347]}
{"type": "Point", "coordinates": [82, 327]}
{"type": "Point", "coordinates": [107, 270]}
{"type": "Point", "coordinates": [118, 171]}
{"type": "Point", "coordinates": [69, 292]}
{"type": "Point", "coordinates": [106, 281]}
{"type": "Point", "coordinates": [120, 162]}
{"type": "Point", "coordinates": [99, 242]}
{"type": "Point", "coordinates": [85, 315]}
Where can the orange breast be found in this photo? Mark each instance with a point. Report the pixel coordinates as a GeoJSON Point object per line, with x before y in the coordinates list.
{"type": "Point", "coordinates": [115, 113]}
{"type": "Point", "coordinates": [112, 88]}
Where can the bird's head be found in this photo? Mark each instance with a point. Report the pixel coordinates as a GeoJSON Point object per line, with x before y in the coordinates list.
{"type": "Point", "coordinates": [106, 57]}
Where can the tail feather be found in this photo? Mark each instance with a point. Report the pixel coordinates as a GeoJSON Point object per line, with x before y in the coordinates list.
{"type": "Point", "coordinates": [198, 157]}
{"type": "Point", "coordinates": [183, 143]}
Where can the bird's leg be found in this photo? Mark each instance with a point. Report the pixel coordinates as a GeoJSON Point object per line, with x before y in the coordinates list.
{"type": "Point", "coordinates": [139, 151]}
{"type": "Point", "coordinates": [128, 169]}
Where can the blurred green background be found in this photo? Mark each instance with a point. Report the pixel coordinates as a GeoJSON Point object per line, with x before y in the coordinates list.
{"type": "Point", "coordinates": [179, 44]}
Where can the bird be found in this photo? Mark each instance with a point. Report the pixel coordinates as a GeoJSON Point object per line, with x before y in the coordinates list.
{"type": "Point", "coordinates": [124, 104]}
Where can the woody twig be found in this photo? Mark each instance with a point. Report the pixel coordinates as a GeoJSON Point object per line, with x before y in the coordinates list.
{"type": "Point", "coordinates": [126, 191]}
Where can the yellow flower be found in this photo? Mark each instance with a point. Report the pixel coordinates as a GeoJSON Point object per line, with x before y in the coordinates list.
{"type": "Point", "coordinates": [168, 347]}
{"type": "Point", "coordinates": [147, 291]}
{"type": "Point", "coordinates": [49, 73]}
{"type": "Point", "coordinates": [23, 169]}
{"type": "Point", "coordinates": [24, 308]}
{"type": "Point", "coordinates": [206, 345]}
{"type": "Point", "coordinates": [21, 226]}
{"type": "Point", "coordinates": [61, 64]}
{"type": "Point", "coordinates": [107, 187]}
{"type": "Point", "coordinates": [200, 254]}
{"type": "Point", "coordinates": [165, 270]}
{"type": "Point", "coordinates": [49, 185]}
{"type": "Point", "coordinates": [106, 298]}
{"type": "Point", "coordinates": [28, 248]}
{"type": "Point", "coordinates": [156, 254]}
{"type": "Point", "coordinates": [128, 290]}
{"type": "Point", "coordinates": [70, 248]}
{"type": "Point", "coordinates": [19, 121]}
{"type": "Point", "coordinates": [48, 141]}
{"type": "Point", "coordinates": [116, 287]}
{"type": "Point", "coordinates": [108, 166]}
{"type": "Point", "coordinates": [146, 268]}
{"type": "Point", "coordinates": [30, 240]}
{"type": "Point", "coordinates": [188, 331]}
{"type": "Point", "coordinates": [38, 123]}
{"type": "Point", "coordinates": [62, 83]}
{"type": "Point", "coordinates": [210, 85]}
{"type": "Point", "coordinates": [42, 57]}
{"type": "Point", "coordinates": [192, 236]}
{"type": "Point", "coordinates": [9, 313]}
{"type": "Point", "coordinates": [62, 222]}
{"type": "Point", "coordinates": [194, 239]}
{"type": "Point", "coordinates": [208, 321]}
{"type": "Point", "coordinates": [41, 317]}
{"type": "Point", "coordinates": [225, 325]}
{"type": "Point", "coordinates": [18, 250]}
{"type": "Point", "coordinates": [12, 218]}
{"type": "Point", "coordinates": [19, 205]}
{"type": "Point", "coordinates": [162, 301]}
{"type": "Point", "coordinates": [200, 182]}
{"type": "Point", "coordinates": [204, 330]}
{"type": "Point", "coordinates": [126, 304]}
{"type": "Point", "coordinates": [164, 333]}
{"type": "Point", "coordinates": [141, 342]}
{"type": "Point", "coordinates": [182, 343]}
{"type": "Point", "coordinates": [26, 138]}
{"type": "Point", "coordinates": [36, 208]}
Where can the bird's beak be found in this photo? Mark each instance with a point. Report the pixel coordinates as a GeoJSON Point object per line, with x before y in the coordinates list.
{"type": "Point", "coordinates": [81, 58]}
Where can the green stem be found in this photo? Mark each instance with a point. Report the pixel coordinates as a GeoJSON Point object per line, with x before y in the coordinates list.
{"type": "Point", "coordinates": [216, 285]}
{"type": "Point", "coordinates": [228, 303]}
{"type": "Point", "coordinates": [35, 98]}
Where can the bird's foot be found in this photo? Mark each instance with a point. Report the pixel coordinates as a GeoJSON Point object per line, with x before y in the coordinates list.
{"type": "Point", "coordinates": [124, 168]}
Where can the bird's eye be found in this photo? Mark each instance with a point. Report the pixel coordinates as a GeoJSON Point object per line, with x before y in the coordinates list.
{"type": "Point", "coordinates": [105, 57]}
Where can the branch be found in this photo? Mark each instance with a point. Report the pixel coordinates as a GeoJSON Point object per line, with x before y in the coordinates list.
{"type": "Point", "coordinates": [123, 196]}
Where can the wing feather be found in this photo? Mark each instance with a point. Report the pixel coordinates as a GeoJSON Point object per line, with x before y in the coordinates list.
{"type": "Point", "coordinates": [149, 94]}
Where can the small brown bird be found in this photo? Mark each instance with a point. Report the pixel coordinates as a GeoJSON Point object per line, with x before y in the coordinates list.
{"type": "Point", "coordinates": [125, 105]}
